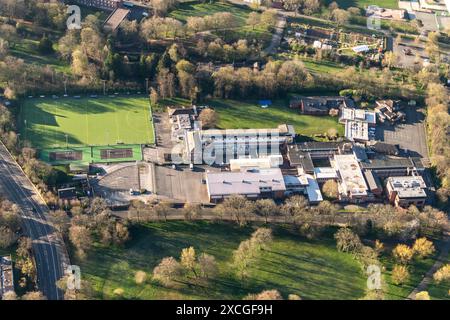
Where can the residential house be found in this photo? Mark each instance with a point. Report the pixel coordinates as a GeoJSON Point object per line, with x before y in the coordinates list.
{"type": "Point", "coordinates": [320, 105]}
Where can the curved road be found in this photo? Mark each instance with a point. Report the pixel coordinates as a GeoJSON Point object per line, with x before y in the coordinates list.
{"type": "Point", "coordinates": [48, 247]}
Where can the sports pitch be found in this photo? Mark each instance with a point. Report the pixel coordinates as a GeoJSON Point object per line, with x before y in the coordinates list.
{"type": "Point", "coordinates": [70, 122]}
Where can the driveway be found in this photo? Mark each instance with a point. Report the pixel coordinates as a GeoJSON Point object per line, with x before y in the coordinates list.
{"type": "Point", "coordinates": [410, 136]}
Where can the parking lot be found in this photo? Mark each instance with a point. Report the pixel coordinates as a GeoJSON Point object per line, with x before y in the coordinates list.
{"type": "Point", "coordinates": [181, 184]}
{"type": "Point", "coordinates": [410, 136]}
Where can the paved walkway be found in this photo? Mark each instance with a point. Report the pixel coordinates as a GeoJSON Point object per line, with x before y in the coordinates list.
{"type": "Point", "coordinates": [442, 258]}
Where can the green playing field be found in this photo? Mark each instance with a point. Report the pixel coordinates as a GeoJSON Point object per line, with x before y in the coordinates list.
{"type": "Point", "coordinates": [56, 123]}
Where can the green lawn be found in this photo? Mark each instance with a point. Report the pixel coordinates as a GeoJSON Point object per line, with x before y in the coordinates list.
{"type": "Point", "coordinates": [391, 4]}
{"type": "Point", "coordinates": [311, 269]}
{"type": "Point", "coordinates": [245, 115]}
{"type": "Point", "coordinates": [86, 121]}
{"type": "Point", "coordinates": [26, 49]}
{"type": "Point", "coordinates": [440, 291]}
{"type": "Point", "coordinates": [243, 31]}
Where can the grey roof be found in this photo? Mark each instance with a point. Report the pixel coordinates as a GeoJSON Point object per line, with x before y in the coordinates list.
{"type": "Point", "coordinates": [246, 182]}
{"type": "Point", "coordinates": [318, 146]}
{"type": "Point", "coordinates": [372, 180]}
{"type": "Point", "coordinates": [388, 163]}
{"type": "Point", "coordinates": [300, 158]}
{"type": "Point", "coordinates": [386, 148]}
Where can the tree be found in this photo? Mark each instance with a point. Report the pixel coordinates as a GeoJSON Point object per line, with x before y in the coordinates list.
{"type": "Point", "coordinates": [269, 17]}
{"type": "Point", "coordinates": [390, 59]}
{"type": "Point", "coordinates": [81, 238]}
{"type": "Point", "coordinates": [167, 271]}
{"type": "Point", "coordinates": [400, 274]}
{"type": "Point", "coordinates": [443, 274]}
{"type": "Point", "coordinates": [7, 237]}
{"type": "Point", "coordinates": [34, 295]}
{"type": "Point", "coordinates": [402, 253]}
{"type": "Point", "coordinates": [379, 247]}
{"type": "Point", "coordinates": [60, 220]}
{"type": "Point", "coordinates": [422, 295]}
{"type": "Point", "coordinates": [162, 209]}
{"type": "Point", "coordinates": [261, 238]}
{"type": "Point", "coordinates": [253, 19]}
{"type": "Point", "coordinates": [9, 295]}
{"type": "Point", "coordinates": [140, 277]}
{"type": "Point", "coordinates": [166, 83]}
{"type": "Point", "coordinates": [209, 118]}
{"type": "Point", "coordinates": [265, 295]}
{"type": "Point", "coordinates": [347, 241]}
{"type": "Point", "coordinates": [188, 260]}
{"type": "Point", "coordinates": [208, 266]}
{"type": "Point", "coordinates": [294, 206]}
{"type": "Point", "coordinates": [45, 45]}
{"type": "Point", "coordinates": [340, 16]}
{"type": "Point", "coordinates": [330, 189]}
{"type": "Point", "coordinates": [154, 97]}
{"type": "Point", "coordinates": [266, 208]}
{"type": "Point", "coordinates": [238, 207]}
{"type": "Point", "coordinates": [423, 247]}
{"type": "Point", "coordinates": [192, 210]}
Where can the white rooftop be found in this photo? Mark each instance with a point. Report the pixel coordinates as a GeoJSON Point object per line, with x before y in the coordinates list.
{"type": "Point", "coordinates": [313, 190]}
{"type": "Point", "coordinates": [408, 186]}
{"type": "Point", "coordinates": [357, 130]}
{"type": "Point", "coordinates": [351, 114]}
{"type": "Point", "coordinates": [352, 179]}
{"type": "Point", "coordinates": [325, 173]}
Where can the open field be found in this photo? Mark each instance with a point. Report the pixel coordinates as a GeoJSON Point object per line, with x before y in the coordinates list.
{"type": "Point", "coordinates": [245, 115]}
{"type": "Point", "coordinates": [391, 4]}
{"type": "Point", "coordinates": [242, 31]}
{"type": "Point", "coordinates": [26, 49]}
{"type": "Point", "coordinates": [440, 291]}
{"type": "Point", "coordinates": [47, 123]}
{"type": "Point", "coordinates": [290, 264]}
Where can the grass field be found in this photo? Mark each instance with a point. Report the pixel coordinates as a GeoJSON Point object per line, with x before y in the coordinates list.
{"type": "Point", "coordinates": [46, 123]}
{"type": "Point", "coordinates": [391, 4]}
{"type": "Point", "coordinates": [311, 269]}
{"type": "Point", "coordinates": [440, 291]}
{"type": "Point", "coordinates": [243, 31]}
{"type": "Point", "coordinates": [245, 115]}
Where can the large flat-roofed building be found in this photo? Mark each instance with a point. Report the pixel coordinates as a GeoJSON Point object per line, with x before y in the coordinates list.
{"type": "Point", "coordinates": [352, 185]}
{"type": "Point", "coordinates": [357, 131]}
{"type": "Point", "coordinates": [253, 184]}
{"type": "Point", "coordinates": [389, 167]}
{"type": "Point", "coordinates": [352, 114]}
{"type": "Point", "coordinates": [6, 275]}
{"type": "Point", "coordinates": [220, 146]}
{"type": "Point", "coordinates": [406, 191]}
{"type": "Point", "coordinates": [240, 164]}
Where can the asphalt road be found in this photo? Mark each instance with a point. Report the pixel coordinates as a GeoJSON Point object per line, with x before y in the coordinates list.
{"type": "Point", "coordinates": [48, 248]}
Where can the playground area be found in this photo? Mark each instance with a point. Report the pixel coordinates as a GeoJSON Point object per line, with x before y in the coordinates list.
{"type": "Point", "coordinates": [84, 130]}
